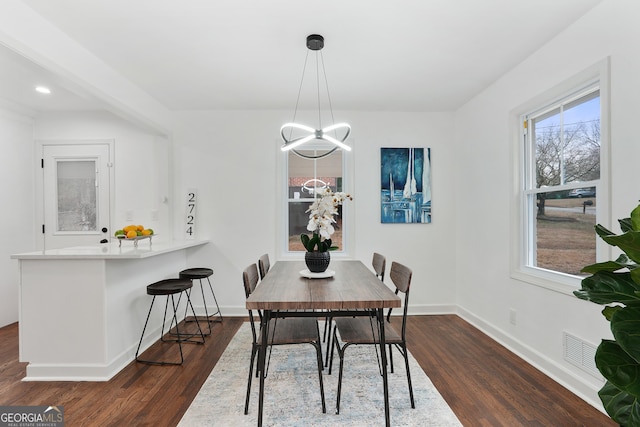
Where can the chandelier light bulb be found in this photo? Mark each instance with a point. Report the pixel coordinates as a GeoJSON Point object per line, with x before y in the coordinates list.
{"type": "Point", "coordinates": [320, 134]}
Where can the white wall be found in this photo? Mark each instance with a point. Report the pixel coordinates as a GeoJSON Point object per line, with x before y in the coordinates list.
{"type": "Point", "coordinates": [27, 33]}
{"type": "Point", "coordinates": [141, 165]}
{"type": "Point", "coordinates": [17, 225]}
{"type": "Point", "coordinates": [428, 249]}
{"type": "Point", "coordinates": [485, 291]}
{"type": "Point", "coordinates": [230, 157]}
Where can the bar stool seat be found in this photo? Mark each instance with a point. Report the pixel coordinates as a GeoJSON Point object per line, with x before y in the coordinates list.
{"type": "Point", "coordinates": [196, 273]}
{"type": "Point", "coordinates": [169, 288]}
{"type": "Point", "coordinates": [199, 274]}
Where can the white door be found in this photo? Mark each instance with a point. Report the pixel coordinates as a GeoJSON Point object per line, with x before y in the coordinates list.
{"type": "Point", "coordinates": [76, 194]}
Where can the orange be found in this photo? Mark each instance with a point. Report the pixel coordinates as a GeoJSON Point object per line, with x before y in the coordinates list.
{"type": "Point", "coordinates": [140, 228]}
{"type": "Point", "coordinates": [146, 232]}
{"type": "Point", "coordinates": [131, 234]}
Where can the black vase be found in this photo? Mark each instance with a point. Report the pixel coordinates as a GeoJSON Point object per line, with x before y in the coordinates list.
{"type": "Point", "coordinates": [317, 262]}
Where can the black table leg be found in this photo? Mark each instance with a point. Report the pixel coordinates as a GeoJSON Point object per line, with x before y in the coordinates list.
{"type": "Point", "coordinates": [262, 355]}
{"type": "Point", "coordinates": [383, 355]}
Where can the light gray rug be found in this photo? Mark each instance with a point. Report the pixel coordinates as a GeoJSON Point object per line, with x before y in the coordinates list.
{"type": "Point", "coordinates": [292, 393]}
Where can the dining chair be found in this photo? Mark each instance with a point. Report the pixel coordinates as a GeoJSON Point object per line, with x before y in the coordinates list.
{"type": "Point", "coordinates": [264, 265]}
{"type": "Point", "coordinates": [364, 331]}
{"type": "Point", "coordinates": [379, 264]}
{"type": "Point", "coordinates": [281, 331]}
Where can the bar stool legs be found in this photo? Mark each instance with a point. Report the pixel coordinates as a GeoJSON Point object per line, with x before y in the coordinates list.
{"type": "Point", "coordinates": [169, 288]}
{"type": "Point", "coordinates": [200, 274]}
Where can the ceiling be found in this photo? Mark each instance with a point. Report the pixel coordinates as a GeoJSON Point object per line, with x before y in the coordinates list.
{"type": "Point", "coordinates": [18, 79]}
{"type": "Point", "coordinates": [401, 55]}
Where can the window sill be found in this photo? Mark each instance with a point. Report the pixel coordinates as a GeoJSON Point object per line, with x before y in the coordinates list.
{"type": "Point", "coordinates": [553, 281]}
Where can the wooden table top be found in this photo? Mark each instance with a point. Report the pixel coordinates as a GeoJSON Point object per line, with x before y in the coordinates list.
{"type": "Point", "coordinates": [353, 286]}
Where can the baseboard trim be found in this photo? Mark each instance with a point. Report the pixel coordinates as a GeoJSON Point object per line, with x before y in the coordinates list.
{"type": "Point", "coordinates": [550, 368]}
{"type": "Point", "coordinates": [98, 372]}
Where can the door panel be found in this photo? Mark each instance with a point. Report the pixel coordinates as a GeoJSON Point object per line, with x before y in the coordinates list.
{"type": "Point", "coordinates": [76, 194]}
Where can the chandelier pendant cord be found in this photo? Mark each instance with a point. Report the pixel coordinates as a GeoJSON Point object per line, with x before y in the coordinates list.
{"type": "Point", "coordinates": [319, 52]}
{"type": "Point", "coordinates": [326, 84]}
{"type": "Point", "coordinates": [295, 111]}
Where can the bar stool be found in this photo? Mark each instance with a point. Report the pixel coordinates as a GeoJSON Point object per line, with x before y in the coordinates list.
{"type": "Point", "coordinates": [200, 274]}
{"type": "Point", "coordinates": [169, 288]}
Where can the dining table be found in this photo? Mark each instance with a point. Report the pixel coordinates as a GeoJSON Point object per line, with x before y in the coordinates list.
{"type": "Point", "coordinates": [347, 288]}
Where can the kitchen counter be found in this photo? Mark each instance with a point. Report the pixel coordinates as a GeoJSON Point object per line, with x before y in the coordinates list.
{"type": "Point", "coordinates": [114, 250]}
{"type": "Point", "coordinates": [82, 309]}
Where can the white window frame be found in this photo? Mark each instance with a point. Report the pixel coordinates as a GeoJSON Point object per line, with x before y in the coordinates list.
{"type": "Point", "coordinates": [348, 208]}
{"type": "Point", "coordinates": [520, 229]}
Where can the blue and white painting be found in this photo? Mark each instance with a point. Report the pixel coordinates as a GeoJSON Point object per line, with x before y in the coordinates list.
{"type": "Point", "coordinates": [405, 185]}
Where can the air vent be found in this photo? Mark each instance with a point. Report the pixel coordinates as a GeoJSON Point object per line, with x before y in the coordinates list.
{"type": "Point", "coordinates": [581, 354]}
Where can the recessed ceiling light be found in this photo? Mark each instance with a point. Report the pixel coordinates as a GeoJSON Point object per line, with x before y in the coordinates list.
{"type": "Point", "coordinates": [43, 89]}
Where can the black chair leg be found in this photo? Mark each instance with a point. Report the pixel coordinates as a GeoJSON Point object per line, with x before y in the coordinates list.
{"type": "Point", "coordinates": [186, 337]}
{"type": "Point", "coordinates": [324, 333]}
{"type": "Point", "coordinates": [329, 338]}
{"type": "Point", "coordinates": [173, 319]}
{"type": "Point", "coordinates": [179, 341]}
{"type": "Point", "coordinates": [406, 363]}
{"type": "Point", "coordinates": [341, 354]}
{"type": "Point", "coordinates": [145, 327]}
{"type": "Point", "coordinates": [186, 319]}
{"type": "Point", "coordinates": [318, 346]}
{"type": "Point", "coordinates": [333, 346]}
{"type": "Point", "coordinates": [219, 319]}
{"type": "Point", "coordinates": [206, 312]}
{"type": "Point", "coordinates": [197, 323]}
{"type": "Point", "coordinates": [254, 351]}
{"type": "Point", "coordinates": [208, 317]}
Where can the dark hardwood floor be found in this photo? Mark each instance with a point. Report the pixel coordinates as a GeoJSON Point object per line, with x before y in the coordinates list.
{"type": "Point", "coordinates": [487, 385]}
{"type": "Point", "coordinates": [484, 383]}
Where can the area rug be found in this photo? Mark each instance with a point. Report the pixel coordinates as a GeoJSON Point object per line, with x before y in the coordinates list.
{"type": "Point", "coordinates": [292, 393]}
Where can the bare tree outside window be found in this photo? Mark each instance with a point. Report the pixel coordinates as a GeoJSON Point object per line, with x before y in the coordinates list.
{"type": "Point", "coordinates": [566, 168]}
{"type": "Point", "coordinates": [567, 152]}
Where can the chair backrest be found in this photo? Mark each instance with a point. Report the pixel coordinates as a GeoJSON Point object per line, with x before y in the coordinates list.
{"type": "Point", "coordinates": [250, 281]}
{"type": "Point", "coordinates": [379, 263]}
{"type": "Point", "coordinates": [401, 278]}
{"type": "Point", "coordinates": [264, 265]}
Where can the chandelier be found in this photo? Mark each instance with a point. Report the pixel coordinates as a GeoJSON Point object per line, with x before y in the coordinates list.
{"type": "Point", "coordinates": [295, 134]}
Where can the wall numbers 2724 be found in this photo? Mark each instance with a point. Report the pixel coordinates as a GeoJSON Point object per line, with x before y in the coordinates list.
{"type": "Point", "coordinates": [190, 214]}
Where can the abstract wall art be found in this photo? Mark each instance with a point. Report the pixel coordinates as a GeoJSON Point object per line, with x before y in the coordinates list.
{"type": "Point", "coordinates": [405, 185]}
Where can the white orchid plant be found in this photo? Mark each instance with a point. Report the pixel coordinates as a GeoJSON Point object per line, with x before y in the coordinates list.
{"type": "Point", "coordinates": [321, 220]}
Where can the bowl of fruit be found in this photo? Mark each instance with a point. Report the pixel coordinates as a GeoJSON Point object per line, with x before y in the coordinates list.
{"type": "Point", "coordinates": [134, 232]}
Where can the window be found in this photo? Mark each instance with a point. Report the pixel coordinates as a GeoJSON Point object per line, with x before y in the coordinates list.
{"type": "Point", "coordinates": [562, 178]}
{"type": "Point", "coordinates": [304, 178]}
{"type": "Point", "coordinates": [77, 189]}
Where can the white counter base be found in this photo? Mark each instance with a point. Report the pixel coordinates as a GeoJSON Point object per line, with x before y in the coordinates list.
{"type": "Point", "coordinates": [82, 309]}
